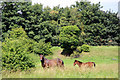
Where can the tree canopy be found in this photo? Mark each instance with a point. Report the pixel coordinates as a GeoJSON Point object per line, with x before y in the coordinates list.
{"type": "Point", "coordinates": [46, 23]}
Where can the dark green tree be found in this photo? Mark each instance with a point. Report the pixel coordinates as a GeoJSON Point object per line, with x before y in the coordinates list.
{"type": "Point", "coordinates": [69, 38]}
{"type": "Point", "coordinates": [14, 15]}
{"type": "Point", "coordinates": [17, 50]}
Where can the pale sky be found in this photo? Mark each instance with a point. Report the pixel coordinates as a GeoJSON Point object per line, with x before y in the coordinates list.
{"type": "Point", "coordinates": [107, 4]}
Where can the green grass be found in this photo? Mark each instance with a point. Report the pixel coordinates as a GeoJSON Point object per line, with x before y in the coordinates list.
{"type": "Point", "coordinates": [105, 57]}
{"type": "Point", "coordinates": [101, 54]}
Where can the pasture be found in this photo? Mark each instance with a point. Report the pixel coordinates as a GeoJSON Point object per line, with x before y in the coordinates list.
{"type": "Point", "coordinates": [105, 57]}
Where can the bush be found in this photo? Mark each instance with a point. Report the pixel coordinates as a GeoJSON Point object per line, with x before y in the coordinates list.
{"type": "Point", "coordinates": [15, 55]}
{"type": "Point", "coordinates": [69, 37]}
{"type": "Point", "coordinates": [17, 49]}
{"type": "Point", "coordinates": [79, 49]}
{"type": "Point", "coordinates": [75, 54]}
{"type": "Point", "coordinates": [42, 48]}
{"type": "Point", "coordinates": [85, 48]}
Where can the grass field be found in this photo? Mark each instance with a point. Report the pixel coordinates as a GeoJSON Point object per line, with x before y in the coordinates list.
{"type": "Point", "coordinates": [105, 57]}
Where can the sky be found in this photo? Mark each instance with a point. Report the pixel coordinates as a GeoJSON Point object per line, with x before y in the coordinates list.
{"type": "Point", "coordinates": [107, 4]}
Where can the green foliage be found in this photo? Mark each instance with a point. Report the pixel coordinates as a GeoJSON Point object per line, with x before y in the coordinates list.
{"type": "Point", "coordinates": [14, 15]}
{"type": "Point", "coordinates": [85, 48]}
{"type": "Point", "coordinates": [15, 55]}
{"type": "Point", "coordinates": [100, 27]}
{"type": "Point", "coordinates": [69, 37]}
{"type": "Point", "coordinates": [97, 27]}
{"type": "Point", "coordinates": [79, 49]}
{"type": "Point", "coordinates": [75, 54]}
{"type": "Point", "coordinates": [17, 51]}
{"type": "Point", "coordinates": [17, 33]}
{"type": "Point", "coordinates": [42, 48]}
{"type": "Point", "coordinates": [95, 34]}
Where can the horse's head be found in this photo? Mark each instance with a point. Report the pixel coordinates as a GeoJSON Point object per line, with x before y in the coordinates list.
{"type": "Point", "coordinates": [75, 62]}
{"type": "Point", "coordinates": [41, 57]}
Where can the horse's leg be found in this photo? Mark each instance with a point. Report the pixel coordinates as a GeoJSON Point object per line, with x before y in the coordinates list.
{"type": "Point", "coordinates": [58, 63]}
{"type": "Point", "coordinates": [46, 65]}
{"type": "Point", "coordinates": [91, 65]}
{"type": "Point", "coordinates": [86, 65]}
{"type": "Point", "coordinates": [79, 65]}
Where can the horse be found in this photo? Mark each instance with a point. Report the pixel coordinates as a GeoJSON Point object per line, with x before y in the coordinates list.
{"type": "Point", "coordinates": [46, 63]}
{"type": "Point", "coordinates": [87, 64]}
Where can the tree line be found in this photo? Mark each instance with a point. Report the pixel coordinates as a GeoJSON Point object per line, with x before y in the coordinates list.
{"type": "Point", "coordinates": [98, 27]}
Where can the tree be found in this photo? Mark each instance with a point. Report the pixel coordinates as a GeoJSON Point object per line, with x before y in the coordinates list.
{"type": "Point", "coordinates": [17, 50]}
{"type": "Point", "coordinates": [14, 15]}
{"type": "Point", "coordinates": [42, 48]}
{"type": "Point", "coordinates": [45, 23]}
{"type": "Point", "coordinates": [69, 38]}
{"type": "Point", "coordinates": [98, 24]}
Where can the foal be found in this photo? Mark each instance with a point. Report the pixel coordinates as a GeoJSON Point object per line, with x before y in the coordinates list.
{"type": "Point", "coordinates": [87, 64]}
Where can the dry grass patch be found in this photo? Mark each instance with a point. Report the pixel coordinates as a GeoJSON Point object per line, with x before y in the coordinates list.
{"type": "Point", "coordinates": [100, 71]}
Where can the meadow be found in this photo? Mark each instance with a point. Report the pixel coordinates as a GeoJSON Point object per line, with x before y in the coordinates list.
{"type": "Point", "coordinates": [105, 57]}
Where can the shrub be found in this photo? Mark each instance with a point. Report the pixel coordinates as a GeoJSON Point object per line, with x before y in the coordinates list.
{"type": "Point", "coordinates": [17, 49]}
{"type": "Point", "coordinates": [75, 54]}
{"type": "Point", "coordinates": [15, 55]}
{"type": "Point", "coordinates": [85, 48]}
{"type": "Point", "coordinates": [79, 49]}
{"type": "Point", "coordinates": [42, 48]}
{"type": "Point", "coordinates": [69, 38]}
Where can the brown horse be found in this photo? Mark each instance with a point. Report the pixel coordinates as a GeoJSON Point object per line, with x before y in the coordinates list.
{"type": "Point", "coordinates": [46, 63]}
{"type": "Point", "coordinates": [87, 64]}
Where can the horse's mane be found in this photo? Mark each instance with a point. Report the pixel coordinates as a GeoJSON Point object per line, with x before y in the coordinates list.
{"type": "Point", "coordinates": [44, 58]}
{"type": "Point", "coordinates": [78, 61]}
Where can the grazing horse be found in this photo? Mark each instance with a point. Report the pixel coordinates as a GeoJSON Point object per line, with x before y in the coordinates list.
{"type": "Point", "coordinates": [87, 64]}
{"type": "Point", "coordinates": [51, 63]}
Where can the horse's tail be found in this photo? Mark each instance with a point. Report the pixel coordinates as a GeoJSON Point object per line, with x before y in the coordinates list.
{"type": "Point", "coordinates": [62, 64]}
{"type": "Point", "coordinates": [94, 64]}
